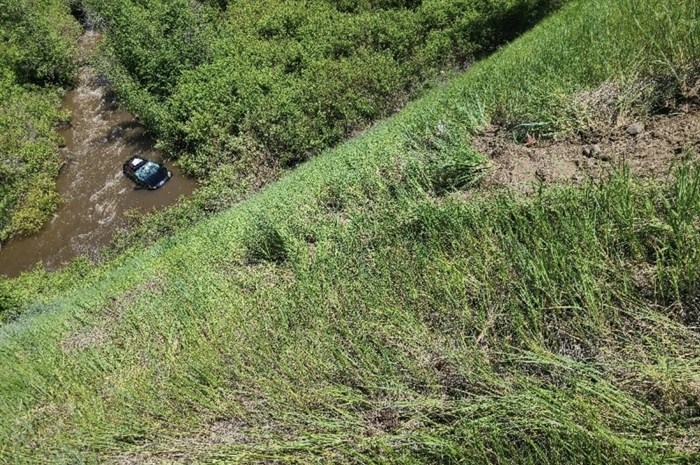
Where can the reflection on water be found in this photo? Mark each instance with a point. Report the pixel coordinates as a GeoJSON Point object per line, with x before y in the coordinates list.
{"type": "Point", "coordinates": [95, 192]}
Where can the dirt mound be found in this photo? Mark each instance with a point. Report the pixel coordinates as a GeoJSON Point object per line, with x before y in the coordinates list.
{"type": "Point", "coordinates": [648, 148]}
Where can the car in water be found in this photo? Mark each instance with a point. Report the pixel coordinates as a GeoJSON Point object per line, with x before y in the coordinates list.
{"type": "Point", "coordinates": [145, 173]}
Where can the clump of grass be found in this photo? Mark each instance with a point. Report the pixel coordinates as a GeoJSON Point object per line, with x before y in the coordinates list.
{"type": "Point", "coordinates": [264, 242]}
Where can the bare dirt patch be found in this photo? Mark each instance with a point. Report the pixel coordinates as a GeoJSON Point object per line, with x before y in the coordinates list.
{"type": "Point", "coordinates": [649, 148]}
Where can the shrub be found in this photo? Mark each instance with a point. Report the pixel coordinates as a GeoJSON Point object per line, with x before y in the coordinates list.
{"type": "Point", "coordinates": [288, 78]}
{"type": "Point", "coordinates": [37, 47]}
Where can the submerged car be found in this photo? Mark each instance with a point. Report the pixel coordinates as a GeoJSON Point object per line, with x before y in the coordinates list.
{"type": "Point", "coordinates": [145, 173]}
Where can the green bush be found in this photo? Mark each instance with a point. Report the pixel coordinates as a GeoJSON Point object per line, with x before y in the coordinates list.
{"type": "Point", "coordinates": [29, 159]}
{"type": "Point", "coordinates": [283, 78]}
{"type": "Point", "coordinates": [38, 37]}
{"type": "Point", "coordinates": [37, 47]}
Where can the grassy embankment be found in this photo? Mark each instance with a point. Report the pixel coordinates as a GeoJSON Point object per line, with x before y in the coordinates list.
{"type": "Point", "coordinates": [359, 311]}
{"type": "Point", "coordinates": [37, 46]}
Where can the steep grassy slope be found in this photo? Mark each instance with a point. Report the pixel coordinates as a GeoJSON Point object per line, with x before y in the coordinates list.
{"type": "Point", "coordinates": [363, 309]}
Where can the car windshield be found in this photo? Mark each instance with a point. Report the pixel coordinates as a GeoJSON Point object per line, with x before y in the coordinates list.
{"type": "Point", "coordinates": [147, 170]}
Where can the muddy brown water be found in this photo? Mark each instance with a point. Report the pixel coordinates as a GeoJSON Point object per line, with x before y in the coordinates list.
{"type": "Point", "coordinates": [95, 192]}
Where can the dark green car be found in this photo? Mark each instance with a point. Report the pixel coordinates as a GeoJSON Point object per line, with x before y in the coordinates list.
{"type": "Point", "coordinates": [145, 173]}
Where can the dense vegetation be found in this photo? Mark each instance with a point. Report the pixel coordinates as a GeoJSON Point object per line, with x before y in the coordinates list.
{"type": "Point", "coordinates": [37, 43]}
{"type": "Point", "coordinates": [363, 309]}
{"type": "Point", "coordinates": [262, 83]}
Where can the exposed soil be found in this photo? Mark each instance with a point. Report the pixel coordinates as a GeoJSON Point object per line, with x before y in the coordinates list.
{"type": "Point", "coordinates": [649, 148]}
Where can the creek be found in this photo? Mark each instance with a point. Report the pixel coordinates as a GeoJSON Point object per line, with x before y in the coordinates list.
{"type": "Point", "coordinates": [96, 194]}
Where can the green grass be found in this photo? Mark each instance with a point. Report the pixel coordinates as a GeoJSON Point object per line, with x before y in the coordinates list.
{"type": "Point", "coordinates": [362, 309]}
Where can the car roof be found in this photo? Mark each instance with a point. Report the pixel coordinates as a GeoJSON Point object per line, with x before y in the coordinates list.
{"type": "Point", "coordinates": [135, 161]}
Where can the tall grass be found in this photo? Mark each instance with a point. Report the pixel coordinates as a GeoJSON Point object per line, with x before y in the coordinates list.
{"type": "Point", "coordinates": [382, 316]}
{"type": "Point", "coordinates": [499, 330]}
